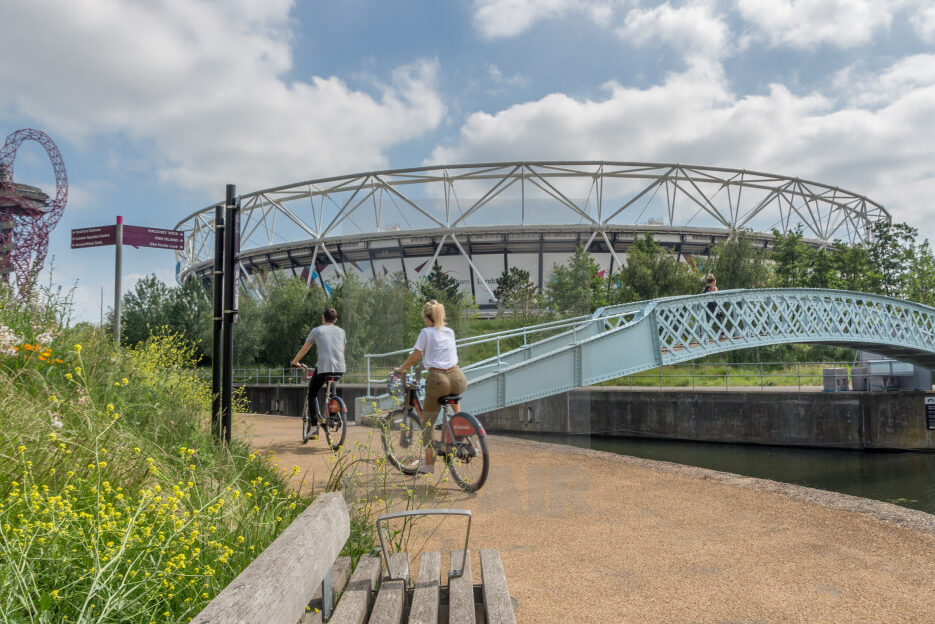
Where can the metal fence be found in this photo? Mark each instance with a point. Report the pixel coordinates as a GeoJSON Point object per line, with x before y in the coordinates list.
{"type": "Point", "coordinates": [689, 375]}
{"type": "Point", "coordinates": [281, 376]}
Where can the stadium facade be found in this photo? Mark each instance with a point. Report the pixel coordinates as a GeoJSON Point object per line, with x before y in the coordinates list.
{"type": "Point", "coordinates": [476, 220]}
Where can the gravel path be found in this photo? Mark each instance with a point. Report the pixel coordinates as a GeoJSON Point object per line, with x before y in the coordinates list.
{"type": "Point", "coordinates": [590, 536]}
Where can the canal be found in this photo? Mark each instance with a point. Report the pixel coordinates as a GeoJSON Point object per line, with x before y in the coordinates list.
{"type": "Point", "coordinates": [902, 478]}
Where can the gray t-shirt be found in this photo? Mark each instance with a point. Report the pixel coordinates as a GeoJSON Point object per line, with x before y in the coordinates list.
{"type": "Point", "coordinates": [330, 340]}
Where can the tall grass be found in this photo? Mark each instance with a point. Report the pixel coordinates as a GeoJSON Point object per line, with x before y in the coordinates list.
{"type": "Point", "coordinates": [115, 503]}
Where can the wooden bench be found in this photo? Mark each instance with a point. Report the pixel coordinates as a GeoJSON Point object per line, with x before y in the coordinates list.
{"type": "Point", "coordinates": [299, 578]}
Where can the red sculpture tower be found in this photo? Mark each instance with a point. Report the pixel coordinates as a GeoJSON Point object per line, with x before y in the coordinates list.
{"type": "Point", "coordinates": [27, 215]}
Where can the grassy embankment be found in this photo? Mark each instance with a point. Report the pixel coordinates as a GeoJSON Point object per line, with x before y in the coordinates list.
{"type": "Point", "coordinates": [115, 503]}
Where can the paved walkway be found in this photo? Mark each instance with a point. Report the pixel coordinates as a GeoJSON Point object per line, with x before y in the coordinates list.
{"type": "Point", "coordinates": [588, 536]}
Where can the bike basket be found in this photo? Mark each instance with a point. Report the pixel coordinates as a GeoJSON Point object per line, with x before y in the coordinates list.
{"type": "Point", "coordinates": [462, 426]}
{"type": "Point", "coordinates": [333, 406]}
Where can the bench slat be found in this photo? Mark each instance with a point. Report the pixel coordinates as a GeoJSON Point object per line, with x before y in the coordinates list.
{"type": "Point", "coordinates": [460, 590]}
{"type": "Point", "coordinates": [497, 603]}
{"type": "Point", "coordinates": [355, 602]}
{"type": "Point", "coordinates": [276, 586]}
{"type": "Point", "coordinates": [340, 572]}
{"type": "Point", "coordinates": [424, 608]}
{"type": "Point", "coordinates": [388, 608]}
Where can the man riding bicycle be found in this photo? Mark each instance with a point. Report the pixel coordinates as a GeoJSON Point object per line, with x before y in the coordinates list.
{"type": "Point", "coordinates": [330, 340]}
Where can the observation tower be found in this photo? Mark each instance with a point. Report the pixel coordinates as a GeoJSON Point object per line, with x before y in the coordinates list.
{"type": "Point", "coordinates": [16, 200]}
{"type": "Point", "coordinates": [27, 214]}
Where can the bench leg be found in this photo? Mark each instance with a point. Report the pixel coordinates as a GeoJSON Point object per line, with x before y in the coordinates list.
{"type": "Point", "coordinates": [327, 597]}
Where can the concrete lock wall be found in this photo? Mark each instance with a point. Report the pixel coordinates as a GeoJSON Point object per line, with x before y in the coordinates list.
{"type": "Point", "coordinates": [287, 400]}
{"type": "Point", "coordinates": [894, 420]}
{"type": "Point", "coordinates": [890, 420]}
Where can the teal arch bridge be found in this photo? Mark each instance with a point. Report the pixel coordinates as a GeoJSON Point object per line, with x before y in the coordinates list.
{"type": "Point", "coordinates": [621, 340]}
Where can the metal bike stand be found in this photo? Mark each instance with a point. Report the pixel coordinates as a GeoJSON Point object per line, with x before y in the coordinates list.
{"type": "Point", "coordinates": [426, 512]}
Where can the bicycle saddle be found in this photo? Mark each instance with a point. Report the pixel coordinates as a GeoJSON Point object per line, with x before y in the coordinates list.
{"type": "Point", "coordinates": [448, 399]}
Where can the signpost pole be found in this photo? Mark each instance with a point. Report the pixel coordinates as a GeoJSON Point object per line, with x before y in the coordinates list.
{"type": "Point", "coordinates": [227, 388]}
{"type": "Point", "coordinates": [218, 320]}
{"type": "Point", "coordinates": [118, 268]}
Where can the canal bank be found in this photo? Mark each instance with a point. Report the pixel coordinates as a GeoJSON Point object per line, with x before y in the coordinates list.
{"type": "Point", "coordinates": [857, 420]}
{"type": "Point", "coordinates": [774, 416]}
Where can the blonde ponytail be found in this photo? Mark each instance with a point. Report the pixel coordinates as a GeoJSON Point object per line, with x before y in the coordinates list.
{"type": "Point", "coordinates": [434, 312]}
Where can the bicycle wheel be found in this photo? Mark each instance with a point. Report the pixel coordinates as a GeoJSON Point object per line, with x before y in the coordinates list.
{"type": "Point", "coordinates": [335, 423]}
{"type": "Point", "coordinates": [402, 440]}
{"type": "Point", "coordinates": [308, 420]}
{"type": "Point", "coordinates": [467, 456]}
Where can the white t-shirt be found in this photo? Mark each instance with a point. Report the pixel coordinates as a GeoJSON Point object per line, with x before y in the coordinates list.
{"type": "Point", "coordinates": [437, 347]}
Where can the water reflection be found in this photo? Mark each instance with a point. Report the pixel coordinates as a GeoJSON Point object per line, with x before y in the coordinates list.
{"type": "Point", "coordinates": [903, 478]}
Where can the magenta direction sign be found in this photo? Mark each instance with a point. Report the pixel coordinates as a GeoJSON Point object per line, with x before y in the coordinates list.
{"type": "Point", "coordinates": [134, 235]}
{"type": "Point", "coordinates": [94, 236]}
{"type": "Point", "coordinates": [153, 237]}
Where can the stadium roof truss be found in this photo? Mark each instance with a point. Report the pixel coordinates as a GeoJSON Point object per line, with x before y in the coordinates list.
{"type": "Point", "coordinates": [452, 202]}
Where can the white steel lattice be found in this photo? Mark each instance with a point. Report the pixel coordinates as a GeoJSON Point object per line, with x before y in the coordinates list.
{"type": "Point", "coordinates": [627, 339]}
{"type": "Point", "coordinates": [336, 224]}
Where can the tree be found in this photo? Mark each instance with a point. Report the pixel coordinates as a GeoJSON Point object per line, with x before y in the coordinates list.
{"type": "Point", "coordinates": [144, 308]}
{"type": "Point", "coordinates": [890, 250]}
{"type": "Point", "coordinates": [190, 312]}
{"type": "Point", "coordinates": [853, 269]}
{"type": "Point", "coordinates": [920, 282]}
{"type": "Point", "coordinates": [439, 285]}
{"type": "Point", "coordinates": [576, 287]}
{"type": "Point", "coordinates": [445, 289]}
{"type": "Point", "coordinates": [793, 259]}
{"type": "Point", "coordinates": [653, 272]}
{"type": "Point", "coordinates": [738, 264]}
{"type": "Point", "coordinates": [287, 314]}
{"type": "Point", "coordinates": [516, 291]}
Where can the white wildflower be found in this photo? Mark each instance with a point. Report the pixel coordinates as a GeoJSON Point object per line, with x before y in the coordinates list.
{"type": "Point", "coordinates": [8, 340]}
{"type": "Point", "coordinates": [45, 337]}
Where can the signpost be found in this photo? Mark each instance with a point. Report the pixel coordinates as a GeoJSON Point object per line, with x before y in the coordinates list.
{"type": "Point", "coordinates": [117, 235]}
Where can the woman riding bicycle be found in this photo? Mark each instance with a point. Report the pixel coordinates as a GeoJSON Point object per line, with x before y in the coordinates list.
{"type": "Point", "coordinates": [436, 346]}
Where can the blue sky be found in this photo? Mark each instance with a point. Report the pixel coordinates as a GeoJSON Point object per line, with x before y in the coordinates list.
{"type": "Point", "coordinates": [156, 105]}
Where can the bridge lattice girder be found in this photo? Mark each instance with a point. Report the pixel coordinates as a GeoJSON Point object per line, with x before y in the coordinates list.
{"type": "Point", "coordinates": [627, 339]}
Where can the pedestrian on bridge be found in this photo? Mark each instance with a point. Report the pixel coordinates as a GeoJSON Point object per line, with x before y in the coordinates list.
{"type": "Point", "coordinates": [713, 314]}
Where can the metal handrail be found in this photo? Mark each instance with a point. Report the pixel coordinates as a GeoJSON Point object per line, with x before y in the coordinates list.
{"type": "Point", "coordinates": [539, 328]}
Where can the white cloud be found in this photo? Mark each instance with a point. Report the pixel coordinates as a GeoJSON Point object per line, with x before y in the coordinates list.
{"type": "Point", "coordinates": [201, 82]}
{"type": "Point", "coordinates": [693, 28]}
{"type": "Point", "coordinates": [908, 76]}
{"type": "Point", "coordinates": [694, 117]}
{"type": "Point", "coordinates": [508, 18]}
{"type": "Point", "coordinates": [806, 24]}
{"type": "Point", "coordinates": [502, 83]}
{"type": "Point", "coordinates": [922, 19]}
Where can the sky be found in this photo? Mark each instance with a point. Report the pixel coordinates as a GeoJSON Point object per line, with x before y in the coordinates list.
{"type": "Point", "coordinates": [155, 105]}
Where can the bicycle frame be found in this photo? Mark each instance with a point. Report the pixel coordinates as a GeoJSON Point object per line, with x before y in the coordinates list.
{"type": "Point", "coordinates": [447, 432]}
{"type": "Point", "coordinates": [330, 389]}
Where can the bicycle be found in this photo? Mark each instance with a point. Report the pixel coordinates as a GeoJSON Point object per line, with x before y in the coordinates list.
{"type": "Point", "coordinates": [463, 443]}
{"type": "Point", "coordinates": [335, 424]}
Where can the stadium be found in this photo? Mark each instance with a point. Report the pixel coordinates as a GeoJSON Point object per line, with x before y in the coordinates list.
{"type": "Point", "coordinates": [476, 220]}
